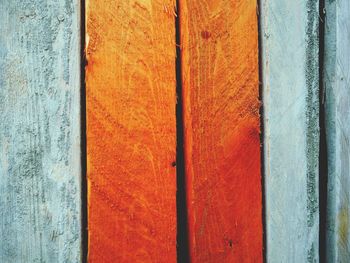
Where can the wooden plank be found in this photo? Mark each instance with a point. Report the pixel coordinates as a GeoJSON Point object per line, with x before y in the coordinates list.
{"type": "Point", "coordinates": [131, 130]}
{"type": "Point", "coordinates": [40, 131]}
{"type": "Point", "coordinates": [337, 102]}
{"type": "Point", "coordinates": [222, 129]}
{"type": "Point", "coordinates": [291, 119]}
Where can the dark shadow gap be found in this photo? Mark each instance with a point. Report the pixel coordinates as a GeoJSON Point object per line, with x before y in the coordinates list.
{"type": "Point", "coordinates": [181, 204]}
{"type": "Point", "coordinates": [84, 201]}
{"type": "Point", "coordinates": [323, 158]}
{"type": "Point", "coordinates": [262, 130]}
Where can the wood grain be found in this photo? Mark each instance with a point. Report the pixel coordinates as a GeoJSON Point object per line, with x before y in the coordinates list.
{"type": "Point", "coordinates": [40, 131]}
{"type": "Point", "coordinates": [337, 102]}
{"type": "Point", "coordinates": [291, 120]}
{"type": "Point", "coordinates": [131, 130]}
{"type": "Point", "coordinates": [219, 42]}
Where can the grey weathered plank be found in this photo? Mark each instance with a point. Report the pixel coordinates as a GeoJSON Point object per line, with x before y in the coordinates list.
{"type": "Point", "coordinates": [337, 102]}
{"type": "Point", "coordinates": [291, 102]}
{"type": "Point", "coordinates": [39, 131]}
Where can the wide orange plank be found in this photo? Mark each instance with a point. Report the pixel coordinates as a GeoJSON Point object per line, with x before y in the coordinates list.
{"type": "Point", "coordinates": [222, 135]}
{"type": "Point", "coordinates": [131, 131]}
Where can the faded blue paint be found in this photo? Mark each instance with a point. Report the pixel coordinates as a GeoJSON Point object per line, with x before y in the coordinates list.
{"type": "Point", "coordinates": [291, 128]}
{"type": "Point", "coordinates": [337, 101]}
{"type": "Point", "coordinates": [40, 131]}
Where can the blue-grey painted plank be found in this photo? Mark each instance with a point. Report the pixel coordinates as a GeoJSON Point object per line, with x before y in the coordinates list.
{"type": "Point", "coordinates": [39, 131]}
{"type": "Point", "coordinates": [291, 102]}
{"type": "Point", "coordinates": [337, 101]}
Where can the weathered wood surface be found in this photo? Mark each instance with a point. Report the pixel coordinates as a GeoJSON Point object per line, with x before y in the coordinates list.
{"type": "Point", "coordinates": [40, 131]}
{"type": "Point", "coordinates": [291, 123]}
{"type": "Point", "coordinates": [219, 42]}
{"type": "Point", "coordinates": [131, 130]}
{"type": "Point", "coordinates": [337, 101]}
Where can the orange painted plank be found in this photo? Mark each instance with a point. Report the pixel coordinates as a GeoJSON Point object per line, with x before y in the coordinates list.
{"type": "Point", "coordinates": [222, 134]}
{"type": "Point", "coordinates": [131, 131]}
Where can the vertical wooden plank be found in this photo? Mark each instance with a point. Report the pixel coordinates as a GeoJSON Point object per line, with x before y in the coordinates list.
{"type": "Point", "coordinates": [131, 130]}
{"type": "Point", "coordinates": [337, 101]}
{"type": "Point", "coordinates": [40, 131]}
{"type": "Point", "coordinates": [221, 120]}
{"type": "Point", "coordinates": [291, 141]}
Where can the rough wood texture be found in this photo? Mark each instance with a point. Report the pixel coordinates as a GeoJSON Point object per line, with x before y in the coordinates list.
{"type": "Point", "coordinates": [131, 130]}
{"type": "Point", "coordinates": [337, 99]}
{"type": "Point", "coordinates": [221, 119]}
{"type": "Point", "coordinates": [40, 131]}
{"type": "Point", "coordinates": [290, 79]}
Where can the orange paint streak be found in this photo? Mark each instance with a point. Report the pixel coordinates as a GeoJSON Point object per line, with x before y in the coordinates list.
{"type": "Point", "coordinates": [222, 144]}
{"type": "Point", "coordinates": [131, 131]}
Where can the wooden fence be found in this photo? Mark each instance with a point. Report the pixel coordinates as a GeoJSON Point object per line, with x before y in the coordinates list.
{"type": "Point", "coordinates": [174, 131]}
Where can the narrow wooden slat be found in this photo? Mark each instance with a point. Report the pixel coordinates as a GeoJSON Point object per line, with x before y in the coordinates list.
{"type": "Point", "coordinates": [337, 99]}
{"type": "Point", "coordinates": [291, 141]}
{"type": "Point", "coordinates": [221, 120]}
{"type": "Point", "coordinates": [131, 130]}
{"type": "Point", "coordinates": [40, 131]}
